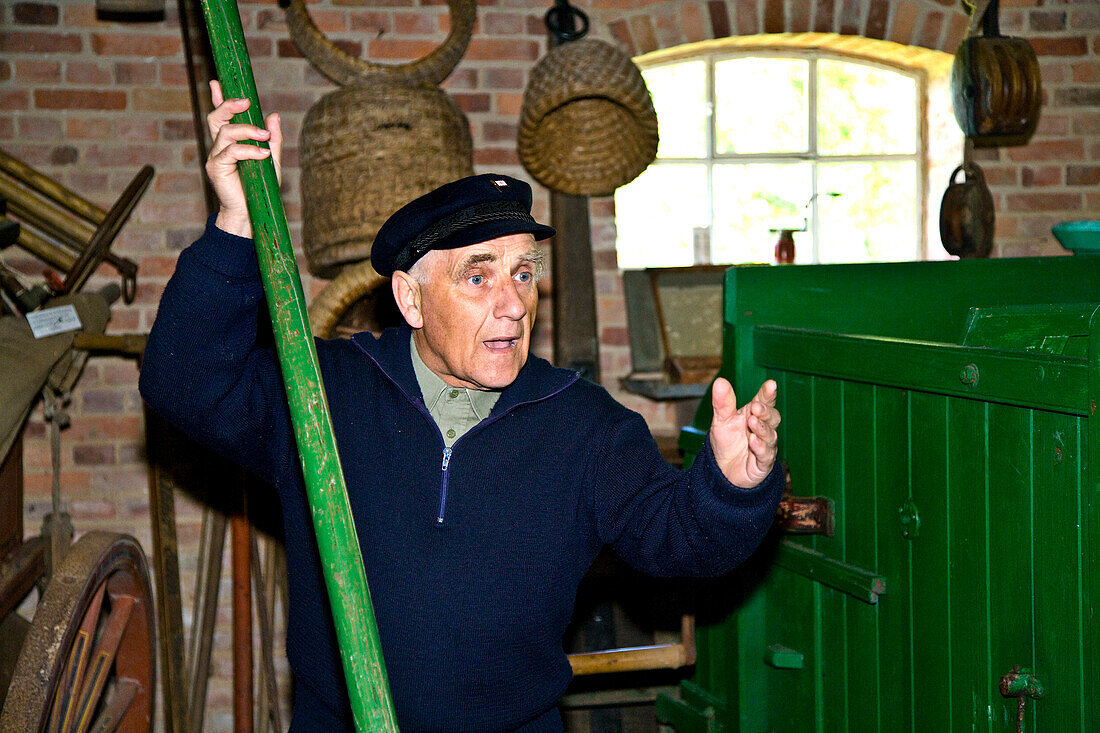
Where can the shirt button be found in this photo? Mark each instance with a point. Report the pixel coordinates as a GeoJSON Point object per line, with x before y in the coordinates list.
{"type": "Point", "coordinates": [454, 393]}
{"type": "Point", "coordinates": [451, 433]}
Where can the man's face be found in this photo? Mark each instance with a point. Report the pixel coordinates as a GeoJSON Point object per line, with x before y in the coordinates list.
{"type": "Point", "coordinates": [477, 305]}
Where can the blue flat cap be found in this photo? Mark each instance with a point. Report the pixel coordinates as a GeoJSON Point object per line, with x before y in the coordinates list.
{"type": "Point", "coordinates": [463, 212]}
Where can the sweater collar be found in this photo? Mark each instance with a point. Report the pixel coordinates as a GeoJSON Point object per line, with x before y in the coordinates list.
{"type": "Point", "coordinates": [537, 380]}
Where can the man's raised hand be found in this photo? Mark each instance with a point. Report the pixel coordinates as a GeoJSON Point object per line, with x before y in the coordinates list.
{"type": "Point", "coordinates": [744, 441]}
{"type": "Point", "coordinates": [228, 150]}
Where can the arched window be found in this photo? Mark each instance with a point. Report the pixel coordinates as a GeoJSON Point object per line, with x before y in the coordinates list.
{"type": "Point", "coordinates": [832, 146]}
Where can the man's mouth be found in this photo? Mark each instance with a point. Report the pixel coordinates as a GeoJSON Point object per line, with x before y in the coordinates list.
{"type": "Point", "coordinates": [501, 344]}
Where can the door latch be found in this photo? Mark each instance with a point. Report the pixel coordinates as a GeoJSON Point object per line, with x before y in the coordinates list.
{"type": "Point", "coordinates": [1021, 684]}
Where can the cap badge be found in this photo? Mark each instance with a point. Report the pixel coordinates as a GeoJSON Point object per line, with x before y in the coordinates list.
{"type": "Point", "coordinates": [500, 183]}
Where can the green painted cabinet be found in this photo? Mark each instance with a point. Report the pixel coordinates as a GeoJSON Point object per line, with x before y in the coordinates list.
{"type": "Point", "coordinates": [946, 409]}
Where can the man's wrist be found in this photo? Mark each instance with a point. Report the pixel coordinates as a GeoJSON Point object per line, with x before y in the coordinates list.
{"type": "Point", "coordinates": [234, 223]}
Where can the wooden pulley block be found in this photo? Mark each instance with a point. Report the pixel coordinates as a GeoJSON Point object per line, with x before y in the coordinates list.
{"type": "Point", "coordinates": [967, 216]}
{"type": "Point", "coordinates": [995, 86]}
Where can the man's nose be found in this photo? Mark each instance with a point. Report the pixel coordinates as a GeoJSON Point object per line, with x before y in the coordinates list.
{"type": "Point", "coordinates": [509, 303]}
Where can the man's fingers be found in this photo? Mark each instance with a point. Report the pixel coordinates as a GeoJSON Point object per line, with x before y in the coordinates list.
{"type": "Point", "coordinates": [723, 400]}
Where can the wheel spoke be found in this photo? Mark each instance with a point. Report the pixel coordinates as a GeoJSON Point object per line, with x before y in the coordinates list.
{"type": "Point", "coordinates": [68, 688]}
{"type": "Point", "coordinates": [118, 703]}
{"type": "Point", "coordinates": [102, 659]}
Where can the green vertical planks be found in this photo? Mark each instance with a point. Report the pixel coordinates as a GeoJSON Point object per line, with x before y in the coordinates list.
{"type": "Point", "coordinates": [1010, 573]}
{"type": "Point", "coordinates": [967, 544]}
{"type": "Point", "coordinates": [1057, 572]}
{"type": "Point", "coordinates": [891, 465]}
{"type": "Point", "coordinates": [860, 523]}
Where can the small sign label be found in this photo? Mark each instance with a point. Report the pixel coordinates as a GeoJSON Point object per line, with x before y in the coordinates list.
{"type": "Point", "coordinates": [51, 321]}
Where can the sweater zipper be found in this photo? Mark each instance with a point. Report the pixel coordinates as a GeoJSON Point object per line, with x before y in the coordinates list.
{"type": "Point", "coordinates": [447, 452]}
{"type": "Point", "coordinates": [443, 486]}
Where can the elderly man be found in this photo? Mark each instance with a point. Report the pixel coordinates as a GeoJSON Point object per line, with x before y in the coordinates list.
{"type": "Point", "coordinates": [483, 481]}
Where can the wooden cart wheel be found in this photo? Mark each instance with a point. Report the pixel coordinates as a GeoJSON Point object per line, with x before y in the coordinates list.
{"type": "Point", "coordinates": [88, 661]}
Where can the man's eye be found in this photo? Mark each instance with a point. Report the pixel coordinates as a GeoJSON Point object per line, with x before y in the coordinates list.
{"type": "Point", "coordinates": [476, 279]}
{"type": "Point", "coordinates": [524, 277]}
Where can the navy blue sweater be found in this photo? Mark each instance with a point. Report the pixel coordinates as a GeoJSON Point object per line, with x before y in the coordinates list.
{"type": "Point", "coordinates": [473, 562]}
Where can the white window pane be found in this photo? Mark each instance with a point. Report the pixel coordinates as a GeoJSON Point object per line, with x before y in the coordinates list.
{"type": "Point", "coordinates": [679, 96]}
{"type": "Point", "coordinates": [760, 105]}
{"type": "Point", "coordinates": [656, 213]}
{"type": "Point", "coordinates": [750, 200]}
{"type": "Point", "coordinates": [865, 110]}
{"type": "Point", "coordinates": [874, 218]}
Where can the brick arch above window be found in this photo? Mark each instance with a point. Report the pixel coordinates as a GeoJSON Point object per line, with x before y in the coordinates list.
{"type": "Point", "coordinates": [644, 26]}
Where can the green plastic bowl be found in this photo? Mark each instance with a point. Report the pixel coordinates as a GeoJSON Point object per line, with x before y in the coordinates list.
{"type": "Point", "coordinates": [1079, 237]}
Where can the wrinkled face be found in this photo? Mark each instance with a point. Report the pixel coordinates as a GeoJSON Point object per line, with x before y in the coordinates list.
{"type": "Point", "coordinates": [473, 309]}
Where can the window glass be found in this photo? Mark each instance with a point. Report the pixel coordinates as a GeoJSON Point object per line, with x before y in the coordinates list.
{"type": "Point", "coordinates": [680, 98]}
{"type": "Point", "coordinates": [752, 200]}
{"type": "Point", "coordinates": [760, 105]}
{"type": "Point", "coordinates": [865, 110]}
{"type": "Point", "coordinates": [876, 217]}
{"type": "Point", "coordinates": [657, 213]}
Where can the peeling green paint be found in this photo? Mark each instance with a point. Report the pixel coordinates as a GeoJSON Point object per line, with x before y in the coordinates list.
{"type": "Point", "coordinates": [341, 559]}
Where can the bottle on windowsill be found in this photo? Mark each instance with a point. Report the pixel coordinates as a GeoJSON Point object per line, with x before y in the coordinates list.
{"type": "Point", "coordinates": [784, 248]}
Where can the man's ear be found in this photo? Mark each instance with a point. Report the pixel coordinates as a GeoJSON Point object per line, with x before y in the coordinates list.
{"type": "Point", "coordinates": [406, 292]}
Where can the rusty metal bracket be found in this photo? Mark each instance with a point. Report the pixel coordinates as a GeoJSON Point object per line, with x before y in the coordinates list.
{"type": "Point", "coordinates": [807, 515]}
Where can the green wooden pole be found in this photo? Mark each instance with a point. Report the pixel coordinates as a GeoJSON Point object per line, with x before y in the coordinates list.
{"type": "Point", "coordinates": [341, 558]}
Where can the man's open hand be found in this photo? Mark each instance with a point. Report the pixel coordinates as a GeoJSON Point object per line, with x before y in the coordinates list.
{"type": "Point", "coordinates": [744, 441]}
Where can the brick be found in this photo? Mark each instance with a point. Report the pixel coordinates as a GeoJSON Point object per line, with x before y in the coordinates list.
{"type": "Point", "coordinates": [1085, 18]}
{"type": "Point", "coordinates": [34, 14]}
{"type": "Point", "coordinates": [1083, 175]}
{"type": "Point", "coordinates": [508, 104]}
{"type": "Point", "coordinates": [482, 49]}
{"type": "Point", "coordinates": [1001, 175]}
{"type": "Point", "coordinates": [1047, 20]}
{"type": "Point", "coordinates": [1044, 201]}
{"type": "Point", "coordinates": [849, 17]}
{"type": "Point", "coordinates": [39, 42]}
{"type": "Point", "coordinates": [94, 455]}
{"type": "Point", "coordinates": [1052, 150]}
{"type": "Point", "coordinates": [92, 509]}
{"type": "Point", "coordinates": [82, 72]}
{"type": "Point", "coordinates": [470, 103]}
{"type": "Point", "coordinates": [7, 128]}
{"type": "Point", "coordinates": [877, 15]}
{"type": "Point", "coordinates": [1086, 71]}
{"type": "Point", "coordinates": [259, 47]}
{"type": "Point", "coordinates": [79, 99]}
{"type": "Point", "coordinates": [464, 78]}
{"type": "Point", "coordinates": [505, 78]}
{"type": "Point", "coordinates": [495, 156]}
{"type": "Point", "coordinates": [162, 101]}
{"type": "Point", "coordinates": [614, 336]}
{"type": "Point", "coordinates": [774, 19]}
{"type": "Point", "coordinates": [135, 73]}
{"type": "Point", "coordinates": [175, 75]}
{"type": "Point", "coordinates": [1052, 125]}
{"type": "Point", "coordinates": [136, 130]}
{"type": "Point", "coordinates": [374, 22]}
{"type": "Point", "coordinates": [931, 30]}
{"type": "Point", "coordinates": [667, 24]}
{"type": "Point", "coordinates": [904, 23]}
{"type": "Point", "coordinates": [748, 22]}
{"type": "Point", "coordinates": [691, 23]}
{"type": "Point", "coordinates": [5, 70]}
{"type": "Point", "coordinates": [1059, 45]}
{"type": "Point", "coordinates": [1086, 123]}
{"type": "Point", "coordinates": [135, 44]}
{"type": "Point", "coordinates": [956, 32]}
{"type": "Point", "coordinates": [416, 23]}
{"type": "Point", "coordinates": [99, 401]}
{"type": "Point", "coordinates": [40, 128]}
{"type": "Point", "coordinates": [799, 17]}
{"type": "Point", "coordinates": [1077, 97]}
{"type": "Point", "coordinates": [620, 31]}
{"type": "Point", "coordinates": [1049, 175]}
{"type": "Point", "coordinates": [30, 71]}
{"type": "Point", "coordinates": [499, 131]}
{"type": "Point", "coordinates": [824, 12]}
{"type": "Point", "coordinates": [641, 28]}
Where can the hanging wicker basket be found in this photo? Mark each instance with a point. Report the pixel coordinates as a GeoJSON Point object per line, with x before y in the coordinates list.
{"type": "Point", "coordinates": [588, 125]}
{"type": "Point", "coordinates": [343, 68]}
{"type": "Point", "coordinates": [367, 150]}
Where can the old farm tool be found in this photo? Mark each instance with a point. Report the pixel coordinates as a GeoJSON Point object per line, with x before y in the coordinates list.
{"type": "Point", "coordinates": [85, 662]}
{"type": "Point", "coordinates": [65, 230]}
{"type": "Point", "coordinates": [338, 544]}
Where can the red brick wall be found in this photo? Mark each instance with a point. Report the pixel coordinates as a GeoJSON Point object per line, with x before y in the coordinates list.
{"type": "Point", "coordinates": [89, 102]}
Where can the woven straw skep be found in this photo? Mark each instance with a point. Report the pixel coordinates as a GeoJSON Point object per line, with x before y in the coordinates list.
{"type": "Point", "coordinates": [366, 150]}
{"type": "Point", "coordinates": [343, 68]}
{"type": "Point", "coordinates": [588, 125]}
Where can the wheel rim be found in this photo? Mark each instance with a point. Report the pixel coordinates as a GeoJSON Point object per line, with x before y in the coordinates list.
{"type": "Point", "coordinates": [87, 663]}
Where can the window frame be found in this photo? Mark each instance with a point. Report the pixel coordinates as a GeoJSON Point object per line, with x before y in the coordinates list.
{"type": "Point", "coordinates": [813, 55]}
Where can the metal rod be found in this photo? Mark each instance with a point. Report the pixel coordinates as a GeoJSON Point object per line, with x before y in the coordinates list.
{"type": "Point", "coordinates": [338, 543]}
{"type": "Point", "coordinates": [205, 614]}
{"type": "Point", "coordinates": [45, 215]}
{"type": "Point", "coordinates": [241, 553]}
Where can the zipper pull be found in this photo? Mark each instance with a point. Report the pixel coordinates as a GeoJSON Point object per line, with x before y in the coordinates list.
{"type": "Point", "coordinates": [446, 457]}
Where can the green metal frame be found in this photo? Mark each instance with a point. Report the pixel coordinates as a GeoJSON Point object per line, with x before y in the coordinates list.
{"type": "Point", "coordinates": [341, 558]}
